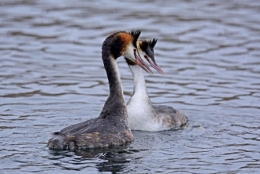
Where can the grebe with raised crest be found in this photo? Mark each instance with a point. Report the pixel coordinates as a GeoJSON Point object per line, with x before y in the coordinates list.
{"type": "Point", "coordinates": [142, 114]}
{"type": "Point", "coordinates": [111, 128]}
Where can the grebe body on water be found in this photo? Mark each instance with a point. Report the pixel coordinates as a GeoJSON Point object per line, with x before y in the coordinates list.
{"type": "Point", "coordinates": [111, 128]}
{"type": "Point", "coordinates": [141, 113]}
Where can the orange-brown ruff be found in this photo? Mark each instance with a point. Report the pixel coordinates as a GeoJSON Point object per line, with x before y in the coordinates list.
{"type": "Point", "coordinates": [125, 39]}
{"type": "Point", "coordinates": [111, 128]}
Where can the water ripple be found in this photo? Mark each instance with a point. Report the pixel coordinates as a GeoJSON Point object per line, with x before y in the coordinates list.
{"type": "Point", "coordinates": [51, 76]}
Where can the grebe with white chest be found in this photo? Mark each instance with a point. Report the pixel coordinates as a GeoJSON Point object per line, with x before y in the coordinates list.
{"type": "Point", "coordinates": [141, 113]}
{"type": "Point", "coordinates": [111, 128]}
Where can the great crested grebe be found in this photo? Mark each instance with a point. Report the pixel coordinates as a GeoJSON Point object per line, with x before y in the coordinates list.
{"type": "Point", "coordinates": [142, 114]}
{"type": "Point", "coordinates": [111, 128]}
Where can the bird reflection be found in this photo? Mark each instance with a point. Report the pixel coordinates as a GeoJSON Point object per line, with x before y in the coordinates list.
{"type": "Point", "coordinates": [111, 160]}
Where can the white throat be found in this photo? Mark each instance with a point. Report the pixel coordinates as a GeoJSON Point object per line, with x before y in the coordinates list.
{"type": "Point", "coordinates": [139, 106]}
{"type": "Point", "coordinates": [139, 82]}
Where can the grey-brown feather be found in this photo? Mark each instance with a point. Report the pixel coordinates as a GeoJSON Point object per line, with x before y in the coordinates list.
{"type": "Point", "coordinates": [174, 118]}
{"type": "Point", "coordinates": [111, 128]}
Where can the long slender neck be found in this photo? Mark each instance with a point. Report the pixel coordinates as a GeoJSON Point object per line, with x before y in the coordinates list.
{"type": "Point", "coordinates": [139, 81]}
{"type": "Point", "coordinates": [113, 76]}
{"type": "Point", "coordinates": [139, 105]}
{"type": "Point", "coordinates": [115, 104]}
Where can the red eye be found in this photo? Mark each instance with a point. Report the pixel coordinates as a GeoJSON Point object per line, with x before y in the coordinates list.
{"type": "Point", "coordinates": [145, 56]}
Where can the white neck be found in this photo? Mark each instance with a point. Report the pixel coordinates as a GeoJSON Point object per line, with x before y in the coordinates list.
{"type": "Point", "coordinates": [139, 107]}
{"type": "Point", "coordinates": [139, 82]}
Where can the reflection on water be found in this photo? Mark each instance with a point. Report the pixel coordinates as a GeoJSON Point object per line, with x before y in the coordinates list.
{"type": "Point", "coordinates": [112, 160]}
{"type": "Point", "coordinates": [51, 76]}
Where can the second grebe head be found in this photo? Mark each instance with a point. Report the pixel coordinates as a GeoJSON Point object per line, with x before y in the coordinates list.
{"type": "Point", "coordinates": [146, 52]}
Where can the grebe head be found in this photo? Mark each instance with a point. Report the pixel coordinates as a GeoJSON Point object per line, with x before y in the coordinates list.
{"type": "Point", "coordinates": [125, 44]}
{"type": "Point", "coordinates": [146, 52]}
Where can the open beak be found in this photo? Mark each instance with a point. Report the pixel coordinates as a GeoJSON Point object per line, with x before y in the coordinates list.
{"type": "Point", "coordinates": [141, 63]}
{"type": "Point", "coordinates": [156, 67]}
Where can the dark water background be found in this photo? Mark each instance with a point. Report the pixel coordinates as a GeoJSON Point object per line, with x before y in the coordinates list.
{"type": "Point", "coordinates": [51, 76]}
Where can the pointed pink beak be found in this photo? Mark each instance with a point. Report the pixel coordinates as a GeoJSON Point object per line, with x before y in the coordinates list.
{"type": "Point", "coordinates": [141, 63]}
{"type": "Point", "coordinates": [157, 68]}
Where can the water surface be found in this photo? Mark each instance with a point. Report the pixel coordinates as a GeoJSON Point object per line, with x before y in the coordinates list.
{"type": "Point", "coordinates": [51, 76]}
